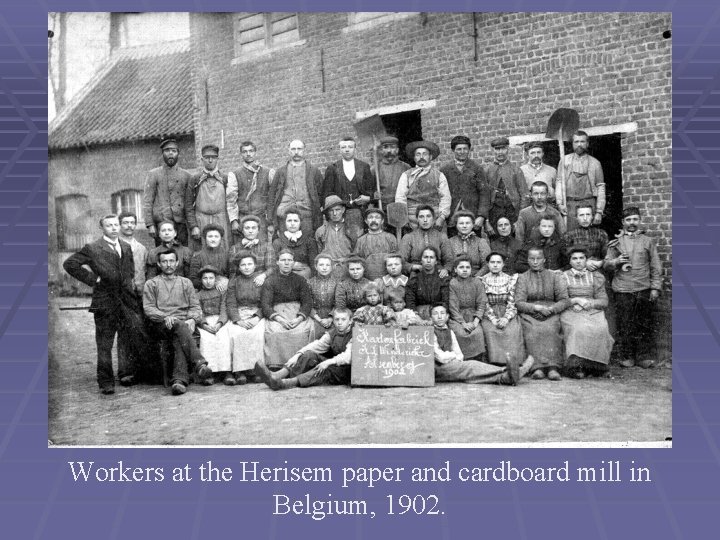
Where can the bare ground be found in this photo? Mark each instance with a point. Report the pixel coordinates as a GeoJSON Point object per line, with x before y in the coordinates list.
{"type": "Point", "coordinates": [633, 405]}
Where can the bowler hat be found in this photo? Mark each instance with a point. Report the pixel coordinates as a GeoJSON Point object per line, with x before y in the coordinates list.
{"type": "Point", "coordinates": [430, 146]}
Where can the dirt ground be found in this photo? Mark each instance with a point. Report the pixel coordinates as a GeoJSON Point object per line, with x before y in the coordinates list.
{"type": "Point", "coordinates": [633, 405]}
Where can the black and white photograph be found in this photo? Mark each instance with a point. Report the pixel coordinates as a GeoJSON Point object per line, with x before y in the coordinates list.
{"type": "Point", "coordinates": [360, 229]}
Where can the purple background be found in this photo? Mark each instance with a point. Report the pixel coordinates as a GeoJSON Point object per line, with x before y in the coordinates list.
{"type": "Point", "coordinates": [38, 498]}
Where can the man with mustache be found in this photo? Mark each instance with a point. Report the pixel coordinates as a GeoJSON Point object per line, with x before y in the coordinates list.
{"type": "Point", "coordinates": [296, 185]}
{"type": "Point", "coordinates": [376, 244]}
{"type": "Point", "coordinates": [424, 185]}
{"type": "Point", "coordinates": [390, 169]}
{"type": "Point", "coordinates": [468, 186]}
{"type": "Point", "coordinates": [584, 182]}
{"type": "Point", "coordinates": [636, 284]}
{"type": "Point", "coordinates": [508, 190]}
{"type": "Point", "coordinates": [537, 171]}
{"type": "Point", "coordinates": [164, 194]}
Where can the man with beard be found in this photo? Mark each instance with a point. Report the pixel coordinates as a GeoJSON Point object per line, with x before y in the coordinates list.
{"type": "Point", "coordinates": [205, 202]}
{"type": "Point", "coordinates": [507, 184]}
{"type": "Point", "coordinates": [636, 284]}
{"type": "Point", "coordinates": [466, 179]}
{"type": "Point", "coordinates": [376, 244]}
{"type": "Point", "coordinates": [164, 194]}
{"type": "Point", "coordinates": [424, 185]}
{"type": "Point", "coordinates": [537, 171]}
{"type": "Point", "coordinates": [247, 192]}
{"type": "Point", "coordinates": [351, 180]}
{"type": "Point", "coordinates": [584, 182]}
{"type": "Point", "coordinates": [297, 185]}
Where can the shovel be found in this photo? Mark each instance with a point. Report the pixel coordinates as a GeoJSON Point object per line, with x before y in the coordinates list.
{"type": "Point", "coordinates": [397, 216]}
{"type": "Point", "coordinates": [561, 125]}
{"type": "Point", "coordinates": [369, 131]}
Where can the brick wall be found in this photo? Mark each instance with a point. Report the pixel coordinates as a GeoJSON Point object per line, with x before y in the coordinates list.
{"type": "Point", "coordinates": [98, 172]}
{"type": "Point", "coordinates": [612, 67]}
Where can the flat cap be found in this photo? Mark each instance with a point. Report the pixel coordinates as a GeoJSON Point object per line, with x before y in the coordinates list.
{"type": "Point", "coordinates": [630, 211]}
{"type": "Point", "coordinates": [499, 142]}
{"type": "Point", "coordinates": [168, 142]}
{"type": "Point", "coordinates": [210, 149]}
{"type": "Point", "coordinates": [389, 140]}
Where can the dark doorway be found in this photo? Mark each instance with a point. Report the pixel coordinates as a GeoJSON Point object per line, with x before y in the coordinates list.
{"type": "Point", "coordinates": [607, 150]}
{"type": "Point", "coordinates": [407, 127]}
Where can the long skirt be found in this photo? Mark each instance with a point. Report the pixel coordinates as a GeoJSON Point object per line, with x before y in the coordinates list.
{"type": "Point", "coordinates": [246, 345]}
{"type": "Point", "coordinates": [586, 335]}
{"type": "Point", "coordinates": [543, 340]}
{"type": "Point", "coordinates": [472, 344]}
{"type": "Point", "coordinates": [281, 344]}
{"type": "Point", "coordinates": [215, 348]}
{"type": "Point", "coordinates": [506, 344]}
{"type": "Point", "coordinates": [468, 372]}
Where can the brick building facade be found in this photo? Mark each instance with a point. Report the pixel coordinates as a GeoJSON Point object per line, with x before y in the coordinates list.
{"type": "Point", "coordinates": [483, 75]}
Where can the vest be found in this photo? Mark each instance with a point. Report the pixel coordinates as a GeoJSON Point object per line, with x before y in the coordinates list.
{"type": "Point", "coordinates": [425, 190]}
{"type": "Point", "coordinates": [338, 342]}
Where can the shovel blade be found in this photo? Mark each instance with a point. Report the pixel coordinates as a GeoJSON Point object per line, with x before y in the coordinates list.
{"type": "Point", "coordinates": [397, 215]}
{"type": "Point", "coordinates": [565, 121]}
{"type": "Point", "coordinates": [369, 130]}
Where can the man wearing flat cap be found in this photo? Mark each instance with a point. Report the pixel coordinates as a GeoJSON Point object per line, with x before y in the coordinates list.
{"type": "Point", "coordinates": [633, 258]}
{"type": "Point", "coordinates": [508, 191]}
{"type": "Point", "coordinates": [164, 194]}
{"type": "Point", "coordinates": [333, 237]}
{"type": "Point", "coordinates": [205, 202]}
{"type": "Point", "coordinates": [537, 171]}
{"type": "Point", "coordinates": [390, 168]}
{"type": "Point", "coordinates": [247, 192]}
{"type": "Point", "coordinates": [376, 244]}
{"type": "Point", "coordinates": [424, 184]}
{"type": "Point", "coordinates": [352, 181]}
{"type": "Point", "coordinates": [469, 189]}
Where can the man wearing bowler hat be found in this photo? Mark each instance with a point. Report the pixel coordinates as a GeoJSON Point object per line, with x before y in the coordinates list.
{"type": "Point", "coordinates": [205, 202]}
{"type": "Point", "coordinates": [164, 194]}
{"type": "Point", "coordinates": [424, 184]}
{"type": "Point", "coordinates": [466, 179]}
{"type": "Point", "coordinates": [508, 190]}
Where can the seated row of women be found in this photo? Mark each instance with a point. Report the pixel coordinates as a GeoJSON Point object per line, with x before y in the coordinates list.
{"type": "Point", "coordinates": [557, 317]}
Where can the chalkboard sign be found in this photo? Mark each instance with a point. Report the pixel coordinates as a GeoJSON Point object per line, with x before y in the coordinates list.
{"type": "Point", "coordinates": [390, 356]}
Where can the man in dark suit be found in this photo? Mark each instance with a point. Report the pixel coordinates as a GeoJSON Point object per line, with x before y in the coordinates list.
{"type": "Point", "coordinates": [296, 185]}
{"type": "Point", "coordinates": [352, 181]}
{"type": "Point", "coordinates": [107, 266]}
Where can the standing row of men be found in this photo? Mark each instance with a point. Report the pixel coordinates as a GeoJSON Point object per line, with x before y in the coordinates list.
{"type": "Point", "coordinates": [500, 188]}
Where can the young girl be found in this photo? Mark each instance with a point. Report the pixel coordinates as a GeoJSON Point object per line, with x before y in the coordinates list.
{"type": "Point", "coordinates": [214, 337]}
{"type": "Point", "coordinates": [247, 331]}
{"type": "Point", "coordinates": [373, 312]}
{"type": "Point", "coordinates": [467, 307]}
{"type": "Point", "coordinates": [404, 317]}
{"type": "Point", "coordinates": [394, 281]}
{"type": "Point", "coordinates": [323, 285]}
{"type": "Point", "coordinates": [501, 329]}
{"type": "Point", "coordinates": [302, 246]}
{"type": "Point", "coordinates": [547, 238]}
{"type": "Point", "coordinates": [349, 292]}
